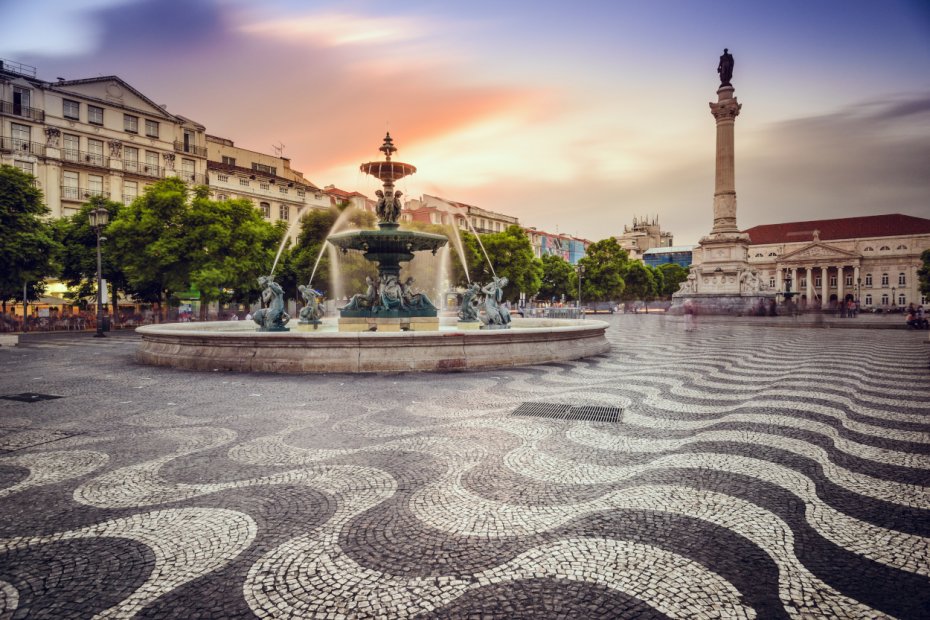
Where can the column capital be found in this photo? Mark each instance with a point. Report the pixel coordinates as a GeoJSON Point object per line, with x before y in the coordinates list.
{"type": "Point", "coordinates": [726, 109]}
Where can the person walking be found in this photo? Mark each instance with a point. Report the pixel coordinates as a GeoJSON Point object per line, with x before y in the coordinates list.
{"type": "Point", "coordinates": [689, 315]}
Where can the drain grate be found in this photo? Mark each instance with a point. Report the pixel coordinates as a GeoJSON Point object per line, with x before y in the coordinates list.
{"type": "Point", "coordinates": [558, 411]}
{"type": "Point", "coordinates": [29, 397]}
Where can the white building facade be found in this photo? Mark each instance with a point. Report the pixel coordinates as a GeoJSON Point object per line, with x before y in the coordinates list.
{"type": "Point", "coordinates": [90, 137]}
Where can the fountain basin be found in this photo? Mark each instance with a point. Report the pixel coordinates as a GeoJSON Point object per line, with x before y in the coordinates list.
{"type": "Point", "coordinates": [388, 170]}
{"type": "Point", "coordinates": [388, 240]}
{"type": "Point", "coordinates": [236, 346]}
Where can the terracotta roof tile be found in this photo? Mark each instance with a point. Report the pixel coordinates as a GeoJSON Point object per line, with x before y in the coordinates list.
{"type": "Point", "coordinates": [889, 225]}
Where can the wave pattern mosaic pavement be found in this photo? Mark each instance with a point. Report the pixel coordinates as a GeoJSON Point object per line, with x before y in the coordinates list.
{"type": "Point", "coordinates": [781, 473]}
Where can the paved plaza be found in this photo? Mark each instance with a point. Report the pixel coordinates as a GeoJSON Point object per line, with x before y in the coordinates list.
{"type": "Point", "coordinates": [753, 472]}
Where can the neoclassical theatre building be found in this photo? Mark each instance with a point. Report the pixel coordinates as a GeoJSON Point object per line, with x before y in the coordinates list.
{"type": "Point", "coordinates": [873, 259]}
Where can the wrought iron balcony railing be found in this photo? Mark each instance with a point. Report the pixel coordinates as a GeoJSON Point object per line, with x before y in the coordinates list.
{"type": "Point", "coordinates": [23, 147]}
{"type": "Point", "coordinates": [180, 147]}
{"type": "Point", "coordinates": [142, 168]}
{"type": "Point", "coordinates": [15, 109]}
{"type": "Point", "coordinates": [83, 157]}
{"type": "Point", "coordinates": [80, 193]}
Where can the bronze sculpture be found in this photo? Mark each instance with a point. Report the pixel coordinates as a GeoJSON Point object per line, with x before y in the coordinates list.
{"type": "Point", "coordinates": [725, 68]}
{"type": "Point", "coordinates": [271, 317]}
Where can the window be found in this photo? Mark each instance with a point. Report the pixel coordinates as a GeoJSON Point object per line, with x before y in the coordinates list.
{"type": "Point", "coordinates": [69, 186]}
{"type": "Point", "coordinates": [868, 279]}
{"type": "Point", "coordinates": [284, 212]}
{"type": "Point", "coordinates": [94, 185]}
{"type": "Point", "coordinates": [884, 279]}
{"type": "Point", "coordinates": [222, 177]}
{"type": "Point", "coordinates": [222, 197]}
{"type": "Point", "coordinates": [832, 280]}
{"type": "Point", "coordinates": [772, 254]}
{"type": "Point", "coordinates": [71, 110]}
{"type": "Point", "coordinates": [264, 168]}
{"type": "Point", "coordinates": [817, 281]}
{"type": "Point", "coordinates": [130, 191]}
{"type": "Point", "coordinates": [94, 152]}
{"type": "Point", "coordinates": [884, 248]}
{"type": "Point", "coordinates": [244, 182]}
{"type": "Point", "coordinates": [301, 193]}
{"type": "Point", "coordinates": [771, 280]}
{"type": "Point", "coordinates": [187, 167]}
{"type": "Point", "coordinates": [266, 210]}
{"type": "Point", "coordinates": [902, 279]}
{"type": "Point", "coordinates": [94, 115]}
{"type": "Point", "coordinates": [802, 282]}
{"type": "Point", "coordinates": [131, 159]}
{"type": "Point", "coordinates": [151, 161]}
{"type": "Point", "coordinates": [26, 166]}
{"type": "Point", "coordinates": [848, 280]}
{"type": "Point", "coordinates": [901, 247]}
{"type": "Point", "coordinates": [151, 128]}
{"type": "Point", "coordinates": [22, 135]}
{"type": "Point", "coordinates": [71, 147]}
{"type": "Point", "coordinates": [901, 299]}
{"type": "Point", "coordinates": [282, 189]}
{"type": "Point", "coordinates": [22, 100]}
{"type": "Point", "coordinates": [758, 254]}
{"type": "Point", "coordinates": [868, 248]}
{"type": "Point", "coordinates": [868, 299]}
{"type": "Point", "coordinates": [131, 123]}
{"type": "Point", "coordinates": [229, 161]}
{"type": "Point", "coordinates": [264, 186]}
{"type": "Point", "coordinates": [884, 299]}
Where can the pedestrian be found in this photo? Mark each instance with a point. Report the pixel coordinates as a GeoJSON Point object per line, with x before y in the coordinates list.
{"type": "Point", "coordinates": [248, 316]}
{"type": "Point", "coordinates": [235, 317]}
{"type": "Point", "coordinates": [689, 315]}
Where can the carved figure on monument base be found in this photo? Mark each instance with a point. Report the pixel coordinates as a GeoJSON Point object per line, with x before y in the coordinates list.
{"type": "Point", "coordinates": [749, 282]}
{"type": "Point", "coordinates": [689, 286]}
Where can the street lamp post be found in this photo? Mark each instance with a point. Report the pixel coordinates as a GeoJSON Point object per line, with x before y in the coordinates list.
{"type": "Point", "coordinates": [893, 304]}
{"type": "Point", "coordinates": [98, 219]}
{"type": "Point", "coordinates": [580, 276]}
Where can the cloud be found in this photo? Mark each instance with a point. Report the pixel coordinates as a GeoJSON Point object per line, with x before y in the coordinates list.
{"type": "Point", "coordinates": [52, 28]}
{"type": "Point", "coordinates": [335, 29]}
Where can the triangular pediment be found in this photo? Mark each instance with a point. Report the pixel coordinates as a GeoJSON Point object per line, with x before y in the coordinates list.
{"type": "Point", "coordinates": [114, 90]}
{"type": "Point", "coordinates": [818, 250]}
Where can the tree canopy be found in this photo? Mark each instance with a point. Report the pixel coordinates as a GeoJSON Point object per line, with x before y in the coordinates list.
{"type": "Point", "coordinates": [640, 283]}
{"type": "Point", "coordinates": [511, 254]}
{"type": "Point", "coordinates": [558, 278]}
{"type": "Point", "coordinates": [605, 265]}
{"type": "Point", "coordinates": [27, 241]}
{"type": "Point", "coordinates": [924, 273]}
{"type": "Point", "coordinates": [673, 275]}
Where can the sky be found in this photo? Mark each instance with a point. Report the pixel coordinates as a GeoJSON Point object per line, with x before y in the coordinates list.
{"type": "Point", "coordinates": [575, 117]}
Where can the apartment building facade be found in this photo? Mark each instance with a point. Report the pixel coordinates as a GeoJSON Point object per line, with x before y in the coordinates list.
{"type": "Point", "coordinates": [95, 136]}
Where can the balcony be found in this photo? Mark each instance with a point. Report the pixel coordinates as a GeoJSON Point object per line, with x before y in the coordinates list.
{"type": "Point", "coordinates": [80, 194]}
{"type": "Point", "coordinates": [190, 177]}
{"type": "Point", "coordinates": [199, 151]}
{"type": "Point", "coordinates": [23, 111]}
{"type": "Point", "coordinates": [143, 169]}
{"type": "Point", "coordinates": [21, 147]}
{"type": "Point", "coordinates": [98, 160]}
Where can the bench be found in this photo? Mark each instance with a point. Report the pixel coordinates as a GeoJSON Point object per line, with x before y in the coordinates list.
{"type": "Point", "coordinates": [8, 340]}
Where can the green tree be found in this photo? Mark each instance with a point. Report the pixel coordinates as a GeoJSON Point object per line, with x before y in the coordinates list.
{"type": "Point", "coordinates": [924, 273]}
{"type": "Point", "coordinates": [658, 281]}
{"type": "Point", "coordinates": [605, 264]}
{"type": "Point", "coordinates": [511, 254]}
{"type": "Point", "coordinates": [673, 275]}
{"type": "Point", "coordinates": [27, 241]}
{"type": "Point", "coordinates": [77, 256]}
{"type": "Point", "coordinates": [559, 278]}
{"type": "Point", "coordinates": [148, 239]}
{"type": "Point", "coordinates": [228, 245]}
{"type": "Point", "coordinates": [639, 282]}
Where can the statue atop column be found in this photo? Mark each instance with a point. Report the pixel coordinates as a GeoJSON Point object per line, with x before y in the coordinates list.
{"type": "Point", "coordinates": [725, 68]}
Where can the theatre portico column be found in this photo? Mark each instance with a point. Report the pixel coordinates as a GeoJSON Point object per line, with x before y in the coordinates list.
{"type": "Point", "coordinates": [856, 281]}
{"type": "Point", "coordinates": [824, 287]}
{"type": "Point", "coordinates": [810, 285]}
{"type": "Point", "coordinates": [778, 277]}
{"type": "Point", "coordinates": [840, 277]}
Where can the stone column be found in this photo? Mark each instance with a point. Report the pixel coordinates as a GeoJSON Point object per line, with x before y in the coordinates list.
{"type": "Point", "coordinates": [824, 287]}
{"type": "Point", "coordinates": [810, 285]}
{"type": "Point", "coordinates": [856, 282]}
{"type": "Point", "coordinates": [794, 280]}
{"type": "Point", "coordinates": [778, 278]}
{"type": "Point", "coordinates": [840, 276]}
{"type": "Point", "coordinates": [725, 110]}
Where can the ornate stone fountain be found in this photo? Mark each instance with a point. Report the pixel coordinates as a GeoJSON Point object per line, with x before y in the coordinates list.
{"type": "Point", "coordinates": [389, 303]}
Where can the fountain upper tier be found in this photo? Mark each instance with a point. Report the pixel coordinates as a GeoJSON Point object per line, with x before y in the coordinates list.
{"type": "Point", "coordinates": [388, 170]}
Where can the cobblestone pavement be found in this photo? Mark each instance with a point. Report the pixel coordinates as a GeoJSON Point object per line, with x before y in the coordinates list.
{"type": "Point", "coordinates": [753, 473]}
